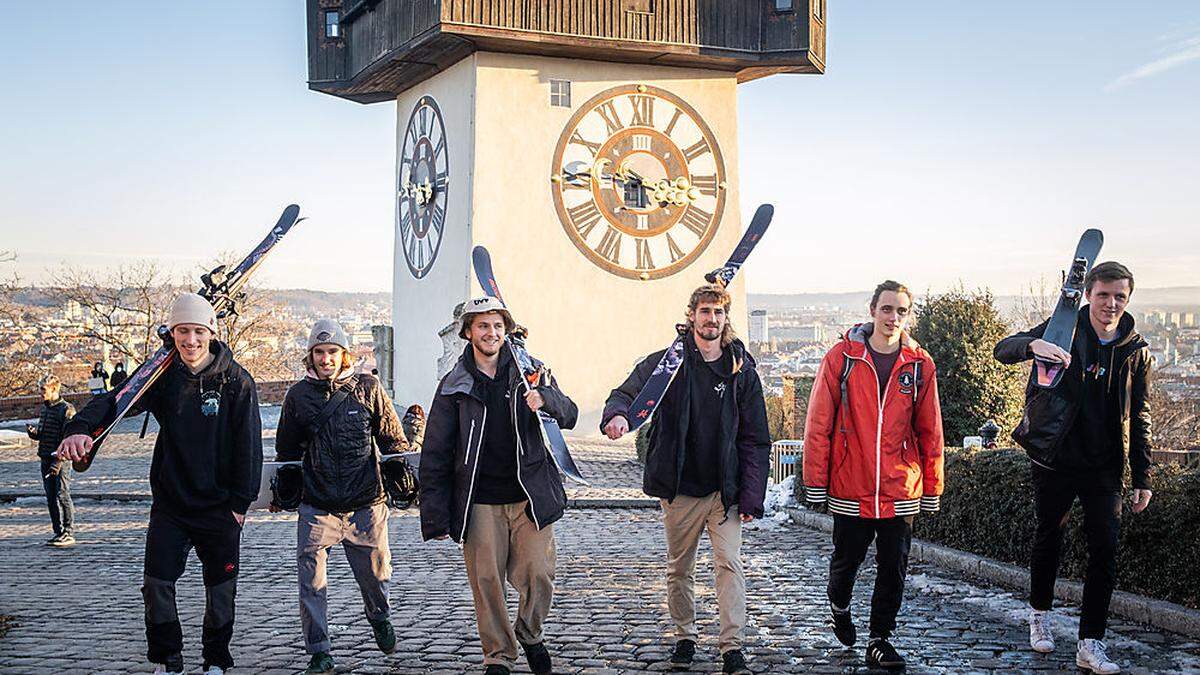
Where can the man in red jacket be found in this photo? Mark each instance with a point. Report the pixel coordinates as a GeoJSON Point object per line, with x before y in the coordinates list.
{"type": "Point", "coordinates": [873, 454]}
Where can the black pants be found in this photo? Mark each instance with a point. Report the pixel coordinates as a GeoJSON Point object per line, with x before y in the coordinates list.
{"type": "Point", "coordinates": [171, 535]}
{"type": "Point", "coordinates": [851, 538]}
{"type": "Point", "coordinates": [58, 496]}
{"type": "Point", "coordinates": [1054, 492]}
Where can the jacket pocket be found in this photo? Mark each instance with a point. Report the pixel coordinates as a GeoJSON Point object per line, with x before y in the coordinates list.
{"type": "Point", "coordinates": [1043, 424]}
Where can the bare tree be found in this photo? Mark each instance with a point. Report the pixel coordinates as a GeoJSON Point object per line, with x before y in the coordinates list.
{"type": "Point", "coordinates": [1176, 421]}
{"type": "Point", "coordinates": [1035, 303]}
{"type": "Point", "coordinates": [19, 367]}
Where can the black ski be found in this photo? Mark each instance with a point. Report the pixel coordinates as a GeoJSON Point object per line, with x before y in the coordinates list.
{"type": "Point", "coordinates": [664, 373]}
{"type": "Point", "coordinates": [220, 287]}
{"type": "Point", "coordinates": [552, 435]}
{"type": "Point", "coordinates": [1061, 329]}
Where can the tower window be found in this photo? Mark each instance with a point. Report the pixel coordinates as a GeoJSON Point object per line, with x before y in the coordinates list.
{"type": "Point", "coordinates": [560, 93]}
{"type": "Point", "coordinates": [333, 28]}
{"type": "Point", "coordinates": [784, 5]}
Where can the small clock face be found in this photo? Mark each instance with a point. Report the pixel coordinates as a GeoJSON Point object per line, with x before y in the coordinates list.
{"type": "Point", "coordinates": [424, 181]}
{"type": "Point", "coordinates": [638, 182]}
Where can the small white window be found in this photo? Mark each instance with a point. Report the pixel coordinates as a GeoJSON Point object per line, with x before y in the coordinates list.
{"type": "Point", "coordinates": [784, 5]}
{"type": "Point", "coordinates": [332, 28]}
{"type": "Point", "coordinates": [560, 93]}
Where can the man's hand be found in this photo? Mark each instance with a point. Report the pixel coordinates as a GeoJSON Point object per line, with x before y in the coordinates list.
{"type": "Point", "coordinates": [616, 427]}
{"type": "Point", "coordinates": [534, 400]}
{"type": "Point", "coordinates": [1048, 351]}
{"type": "Point", "coordinates": [1141, 499]}
{"type": "Point", "coordinates": [746, 517]}
{"type": "Point", "coordinates": [75, 448]}
{"type": "Point", "coordinates": [31, 429]}
{"type": "Point", "coordinates": [239, 517]}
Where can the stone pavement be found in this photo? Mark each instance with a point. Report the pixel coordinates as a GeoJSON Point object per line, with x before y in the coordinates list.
{"type": "Point", "coordinates": [80, 610]}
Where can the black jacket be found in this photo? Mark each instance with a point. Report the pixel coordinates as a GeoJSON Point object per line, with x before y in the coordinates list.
{"type": "Point", "coordinates": [745, 438]}
{"type": "Point", "coordinates": [1050, 413]}
{"type": "Point", "coordinates": [454, 435]}
{"type": "Point", "coordinates": [199, 461]}
{"type": "Point", "coordinates": [341, 467]}
{"type": "Point", "coordinates": [49, 430]}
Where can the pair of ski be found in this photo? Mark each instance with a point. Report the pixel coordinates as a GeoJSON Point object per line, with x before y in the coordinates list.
{"type": "Point", "coordinates": [222, 288]}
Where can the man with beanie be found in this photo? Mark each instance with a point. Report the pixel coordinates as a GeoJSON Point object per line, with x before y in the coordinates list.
{"type": "Point", "coordinates": [873, 458]}
{"type": "Point", "coordinates": [1079, 437]}
{"type": "Point", "coordinates": [707, 463]}
{"type": "Point", "coordinates": [488, 481]}
{"type": "Point", "coordinates": [205, 473]}
{"type": "Point", "coordinates": [337, 424]}
{"type": "Point", "coordinates": [57, 483]}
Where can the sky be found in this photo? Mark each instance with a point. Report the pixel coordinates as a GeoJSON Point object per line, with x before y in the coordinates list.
{"type": "Point", "coordinates": [947, 143]}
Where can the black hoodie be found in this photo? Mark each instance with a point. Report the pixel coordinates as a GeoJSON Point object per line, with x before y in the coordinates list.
{"type": "Point", "coordinates": [200, 461]}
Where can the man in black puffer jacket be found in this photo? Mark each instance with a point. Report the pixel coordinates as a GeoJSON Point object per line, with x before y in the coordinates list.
{"type": "Point", "coordinates": [332, 420]}
{"type": "Point", "coordinates": [707, 462]}
{"type": "Point", "coordinates": [1078, 436]}
{"type": "Point", "coordinates": [57, 483]}
{"type": "Point", "coordinates": [489, 482]}
{"type": "Point", "coordinates": [205, 473]}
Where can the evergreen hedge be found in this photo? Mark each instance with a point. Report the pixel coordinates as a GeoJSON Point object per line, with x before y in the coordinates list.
{"type": "Point", "coordinates": [987, 508]}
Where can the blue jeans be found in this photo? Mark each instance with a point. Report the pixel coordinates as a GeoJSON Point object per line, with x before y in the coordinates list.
{"type": "Point", "coordinates": [58, 496]}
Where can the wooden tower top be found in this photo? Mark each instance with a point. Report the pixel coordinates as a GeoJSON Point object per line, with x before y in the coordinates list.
{"type": "Point", "coordinates": [371, 50]}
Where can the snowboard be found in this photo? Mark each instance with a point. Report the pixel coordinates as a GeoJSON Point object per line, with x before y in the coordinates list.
{"type": "Point", "coordinates": [263, 501]}
{"type": "Point", "coordinates": [1061, 329]}
{"type": "Point", "coordinates": [552, 435]}
{"type": "Point", "coordinates": [220, 287]}
{"type": "Point", "coordinates": [664, 373]}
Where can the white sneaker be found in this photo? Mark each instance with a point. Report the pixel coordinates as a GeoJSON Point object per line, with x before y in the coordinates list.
{"type": "Point", "coordinates": [1041, 631]}
{"type": "Point", "coordinates": [215, 670]}
{"type": "Point", "coordinates": [1092, 656]}
{"type": "Point", "coordinates": [160, 669]}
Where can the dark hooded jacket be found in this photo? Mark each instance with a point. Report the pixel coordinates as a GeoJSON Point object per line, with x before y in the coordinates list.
{"type": "Point", "coordinates": [341, 466]}
{"type": "Point", "coordinates": [454, 432]}
{"type": "Point", "coordinates": [1050, 414]}
{"type": "Point", "coordinates": [49, 430]}
{"type": "Point", "coordinates": [200, 461]}
{"type": "Point", "coordinates": [745, 443]}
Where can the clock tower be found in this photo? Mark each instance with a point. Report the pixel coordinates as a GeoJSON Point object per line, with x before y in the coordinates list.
{"type": "Point", "coordinates": [590, 146]}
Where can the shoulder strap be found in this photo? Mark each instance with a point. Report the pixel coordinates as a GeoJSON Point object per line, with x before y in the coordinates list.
{"type": "Point", "coordinates": [847, 365]}
{"type": "Point", "coordinates": [331, 406]}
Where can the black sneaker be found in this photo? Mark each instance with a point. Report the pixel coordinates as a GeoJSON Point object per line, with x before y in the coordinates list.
{"type": "Point", "coordinates": [682, 655]}
{"type": "Point", "coordinates": [881, 654]}
{"type": "Point", "coordinates": [496, 669]}
{"type": "Point", "coordinates": [173, 666]}
{"type": "Point", "coordinates": [385, 635]}
{"type": "Point", "coordinates": [735, 663]}
{"type": "Point", "coordinates": [843, 625]}
{"type": "Point", "coordinates": [539, 658]}
{"type": "Point", "coordinates": [63, 540]}
{"type": "Point", "coordinates": [321, 663]}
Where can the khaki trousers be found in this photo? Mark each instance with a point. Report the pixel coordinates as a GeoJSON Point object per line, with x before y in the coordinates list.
{"type": "Point", "coordinates": [685, 519]}
{"type": "Point", "coordinates": [502, 544]}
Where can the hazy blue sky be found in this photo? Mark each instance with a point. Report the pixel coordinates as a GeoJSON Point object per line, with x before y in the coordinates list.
{"type": "Point", "coordinates": [948, 141]}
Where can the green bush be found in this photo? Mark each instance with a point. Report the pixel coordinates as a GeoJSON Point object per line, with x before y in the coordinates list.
{"type": "Point", "coordinates": [987, 509]}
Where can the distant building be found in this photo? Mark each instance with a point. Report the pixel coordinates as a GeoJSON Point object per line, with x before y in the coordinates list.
{"type": "Point", "coordinates": [758, 326]}
{"type": "Point", "coordinates": [813, 332]}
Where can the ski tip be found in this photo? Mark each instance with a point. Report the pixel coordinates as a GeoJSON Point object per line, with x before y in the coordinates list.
{"type": "Point", "coordinates": [765, 211]}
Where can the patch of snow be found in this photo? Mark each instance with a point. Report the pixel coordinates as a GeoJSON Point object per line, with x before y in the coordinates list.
{"type": "Point", "coordinates": [780, 496]}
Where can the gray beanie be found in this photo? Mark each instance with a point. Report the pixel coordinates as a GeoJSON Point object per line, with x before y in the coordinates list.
{"type": "Point", "coordinates": [327, 332]}
{"type": "Point", "coordinates": [191, 308]}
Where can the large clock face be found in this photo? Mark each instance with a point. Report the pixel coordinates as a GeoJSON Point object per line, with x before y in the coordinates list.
{"type": "Point", "coordinates": [424, 180]}
{"type": "Point", "coordinates": [638, 182]}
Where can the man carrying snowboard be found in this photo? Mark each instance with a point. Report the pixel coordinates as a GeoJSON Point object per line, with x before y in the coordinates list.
{"type": "Point", "coordinates": [333, 421]}
{"type": "Point", "coordinates": [873, 457]}
{"type": "Point", "coordinates": [707, 462]}
{"type": "Point", "coordinates": [488, 481]}
{"type": "Point", "coordinates": [1078, 436]}
{"type": "Point", "coordinates": [205, 473]}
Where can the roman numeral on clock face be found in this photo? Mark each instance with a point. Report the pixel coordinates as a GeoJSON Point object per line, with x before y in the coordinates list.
{"type": "Point", "coordinates": [643, 111]}
{"type": "Point", "coordinates": [608, 112]}
{"type": "Point", "coordinates": [610, 246]}
{"type": "Point", "coordinates": [644, 259]}
{"type": "Point", "coordinates": [585, 216]}
{"type": "Point", "coordinates": [697, 220]}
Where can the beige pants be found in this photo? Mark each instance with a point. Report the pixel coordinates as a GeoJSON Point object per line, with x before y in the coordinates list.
{"type": "Point", "coordinates": [685, 520]}
{"type": "Point", "coordinates": [503, 543]}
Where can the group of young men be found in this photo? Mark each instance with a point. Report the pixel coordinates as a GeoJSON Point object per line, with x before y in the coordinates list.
{"type": "Point", "coordinates": [872, 457]}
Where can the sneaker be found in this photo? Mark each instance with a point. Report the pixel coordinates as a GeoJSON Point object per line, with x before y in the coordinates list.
{"type": "Point", "coordinates": [843, 625]}
{"type": "Point", "coordinates": [171, 667]}
{"type": "Point", "coordinates": [881, 654]}
{"type": "Point", "coordinates": [1041, 631]}
{"type": "Point", "coordinates": [321, 663]}
{"type": "Point", "coordinates": [539, 658]}
{"type": "Point", "coordinates": [496, 669]}
{"type": "Point", "coordinates": [385, 635]}
{"type": "Point", "coordinates": [682, 655]}
{"type": "Point", "coordinates": [63, 540]}
{"type": "Point", "coordinates": [1092, 657]}
{"type": "Point", "coordinates": [53, 541]}
{"type": "Point", "coordinates": [214, 670]}
{"type": "Point", "coordinates": [735, 662]}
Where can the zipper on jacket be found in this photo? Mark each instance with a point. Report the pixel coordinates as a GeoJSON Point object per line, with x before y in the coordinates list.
{"type": "Point", "coordinates": [521, 451]}
{"type": "Point", "coordinates": [881, 399]}
{"type": "Point", "coordinates": [462, 536]}
{"type": "Point", "coordinates": [470, 437]}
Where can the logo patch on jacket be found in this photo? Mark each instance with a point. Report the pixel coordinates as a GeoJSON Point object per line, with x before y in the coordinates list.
{"type": "Point", "coordinates": [720, 389]}
{"type": "Point", "coordinates": [906, 383]}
